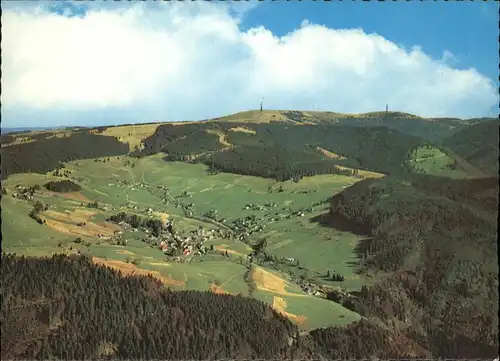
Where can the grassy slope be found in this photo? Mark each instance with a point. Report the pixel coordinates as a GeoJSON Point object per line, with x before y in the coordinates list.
{"type": "Point", "coordinates": [432, 160]}
{"type": "Point", "coordinates": [221, 191]}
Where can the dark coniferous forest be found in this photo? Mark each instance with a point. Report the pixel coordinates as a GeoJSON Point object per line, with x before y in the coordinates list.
{"type": "Point", "coordinates": [65, 307]}
{"type": "Point", "coordinates": [284, 151]}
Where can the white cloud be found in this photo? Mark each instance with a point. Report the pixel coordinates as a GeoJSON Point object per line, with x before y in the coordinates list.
{"type": "Point", "coordinates": [174, 61]}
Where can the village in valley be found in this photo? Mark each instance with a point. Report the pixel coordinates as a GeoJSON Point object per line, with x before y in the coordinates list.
{"type": "Point", "coordinates": [158, 230]}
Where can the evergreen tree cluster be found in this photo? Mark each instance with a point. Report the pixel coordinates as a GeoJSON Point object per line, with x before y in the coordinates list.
{"type": "Point", "coordinates": [137, 221]}
{"type": "Point", "coordinates": [334, 276]}
{"type": "Point", "coordinates": [63, 186]}
{"type": "Point", "coordinates": [67, 308]}
{"type": "Point", "coordinates": [195, 143]}
{"type": "Point", "coordinates": [38, 207]}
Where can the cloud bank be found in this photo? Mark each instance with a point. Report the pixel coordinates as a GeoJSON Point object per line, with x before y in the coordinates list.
{"type": "Point", "coordinates": [181, 61]}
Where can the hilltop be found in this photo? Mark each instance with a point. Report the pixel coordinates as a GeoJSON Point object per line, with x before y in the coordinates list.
{"type": "Point", "coordinates": [298, 116]}
{"type": "Point", "coordinates": [432, 129]}
{"type": "Point", "coordinates": [301, 143]}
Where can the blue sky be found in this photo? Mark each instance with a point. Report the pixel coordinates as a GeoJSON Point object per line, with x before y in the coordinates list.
{"type": "Point", "coordinates": [75, 63]}
{"type": "Point", "coordinates": [469, 30]}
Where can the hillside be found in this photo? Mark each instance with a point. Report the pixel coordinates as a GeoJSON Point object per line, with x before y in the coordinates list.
{"type": "Point", "coordinates": [432, 129]}
{"type": "Point", "coordinates": [55, 304]}
{"type": "Point", "coordinates": [478, 145]}
{"type": "Point", "coordinates": [51, 308]}
{"type": "Point", "coordinates": [283, 151]}
{"type": "Point", "coordinates": [437, 238]}
{"type": "Point", "coordinates": [231, 135]}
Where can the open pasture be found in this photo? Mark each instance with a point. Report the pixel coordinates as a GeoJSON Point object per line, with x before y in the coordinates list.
{"type": "Point", "coordinates": [132, 134]}
{"type": "Point", "coordinates": [432, 160]}
{"type": "Point", "coordinates": [308, 312]}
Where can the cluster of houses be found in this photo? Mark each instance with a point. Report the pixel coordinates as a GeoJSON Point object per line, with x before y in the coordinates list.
{"type": "Point", "coordinates": [25, 193]}
{"type": "Point", "coordinates": [177, 245]}
{"type": "Point", "coordinates": [312, 288]}
{"type": "Point", "coordinates": [193, 243]}
{"type": "Point", "coordinates": [245, 226]}
{"type": "Point", "coordinates": [257, 207]}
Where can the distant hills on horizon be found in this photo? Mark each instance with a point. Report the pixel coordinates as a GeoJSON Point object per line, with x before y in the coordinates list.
{"type": "Point", "coordinates": [266, 116]}
{"type": "Point", "coordinates": [8, 130]}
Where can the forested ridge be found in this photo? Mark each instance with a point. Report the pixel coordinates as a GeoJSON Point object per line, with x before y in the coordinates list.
{"type": "Point", "coordinates": [46, 154]}
{"type": "Point", "coordinates": [283, 151]}
{"type": "Point", "coordinates": [431, 129]}
{"type": "Point", "coordinates": [66, 307]}
{"type": "Point", "coordinates": [438, 239]}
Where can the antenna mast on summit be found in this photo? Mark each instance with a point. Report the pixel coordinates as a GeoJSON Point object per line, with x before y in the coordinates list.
{"type": "Point", "coordinates": [261, 101]}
